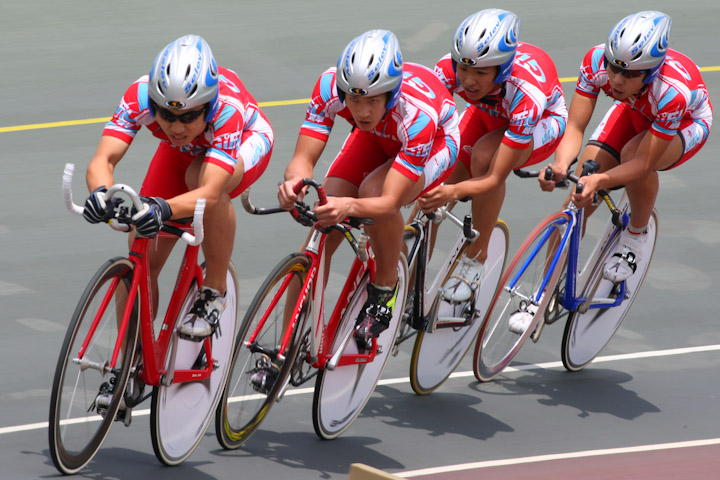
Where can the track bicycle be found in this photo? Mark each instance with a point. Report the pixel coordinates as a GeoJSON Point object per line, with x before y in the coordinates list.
{"type": "Point", "coordinates": [286, 340]}
{"type": "Point", "coordinates": [544, 283]}
{"type": "Point", "coordinates": [112, 347]}
{"type": "Point", "coordinates": [444, 330]}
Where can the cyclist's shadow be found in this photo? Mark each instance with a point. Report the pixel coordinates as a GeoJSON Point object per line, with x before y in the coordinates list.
{"type": "Point", "coordinates": [589, 391]}
{"type": "Point", "coordinates": [116, 463]}
{"type": "Point", "coordinates": [441, 413]}
{"type": "Point", "coordinates": [299, 450]}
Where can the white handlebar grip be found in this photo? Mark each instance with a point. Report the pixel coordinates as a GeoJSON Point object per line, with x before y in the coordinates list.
{"type": "Point", "coordinates": [197, 224]}
{"type": "Point", "coordinates": [245, 200]}
{"type": "Point", "coordinates": [67, 190]}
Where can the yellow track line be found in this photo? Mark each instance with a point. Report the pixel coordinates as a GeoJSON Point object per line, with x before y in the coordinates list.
{"type": "Point", "coordinates": [278, 103]}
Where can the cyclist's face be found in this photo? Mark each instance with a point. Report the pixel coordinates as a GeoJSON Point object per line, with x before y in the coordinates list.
{"type": "Point", "coordinates": [624, 86]}
{"type": "Point", "coordinates": [477, 82]}
{"type": "Point", "coordinates": [179, 133]}
{"type": "Point", "coordinates": [366, 111]}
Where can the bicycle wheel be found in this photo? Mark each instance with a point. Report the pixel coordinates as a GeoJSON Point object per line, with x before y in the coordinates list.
{"type": "Point", "coordinates": [244, 405]}
{"type": "Point", "coordinates": [181, 413]}
{"type": "Point", "coordinates": [497, 342]}
{"type": "Point", "coordinates": [76, 430]}
{"type": "Point", "coordinates": [586, 334]}
{"type": "Point", "coordinates": [341, 394]}
{"type": "Point", "coordinates": [437, 354]}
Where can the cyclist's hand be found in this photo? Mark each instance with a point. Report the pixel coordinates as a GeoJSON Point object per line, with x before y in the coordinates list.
{"type": "Point", "coordinates": [95, 209]}
{"type": "Point", "coordinates": [559, 174]}
{"type": "Point", "coordinates": [436, 198]}
{"type": "Point", "coordinates": [286, 195]}
{"type": "Point", "coordinates": [148, 222]}
{"type": "Point", "coordinates": [590, 188]}
{"type": "Point", "coordinates": [334, 211]}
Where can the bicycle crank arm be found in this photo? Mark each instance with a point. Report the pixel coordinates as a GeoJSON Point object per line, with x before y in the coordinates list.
{"type": "Point", "coordinates": [333, 362]}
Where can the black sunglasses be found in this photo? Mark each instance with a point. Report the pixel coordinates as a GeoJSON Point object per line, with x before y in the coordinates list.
{"type": "Point", "coordinates": [185, 118]}
{"type": "Point", "coordinates": [626, 73]}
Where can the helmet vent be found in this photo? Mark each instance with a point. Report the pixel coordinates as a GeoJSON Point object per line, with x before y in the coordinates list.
{"type": "Point", "coordinates": [637, 39]}
{"type": "Point", "coordinates": [187, 72]}
{"type": "Point", "coordinates": [193, 90]}
{"type": "Point", "coordinates": [375, 79]}
{"type": "Point", "coordinates": [372, 58]}
{"type": "Point", "coordinates": [482, 34]}
{"type": "Point", "coordinates": [159, 87]}
{"type": "Point", "coordinates": [485, 51]}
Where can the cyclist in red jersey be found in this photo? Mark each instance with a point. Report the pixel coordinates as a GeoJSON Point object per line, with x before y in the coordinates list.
{"type": "Point", "coordinates": [215, 142]}
{"type": "Point", "coordinates": [404, 141]}
{"type": "Point", "coordinates": [661, 118]}
{"type": "Point", "coordinates": [515, 117]}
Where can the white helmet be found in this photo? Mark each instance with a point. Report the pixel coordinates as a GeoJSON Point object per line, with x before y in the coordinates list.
{"type": "Point", "coordinates": [640, 42]}
{"type": "Point", "coordinates": [184, 75]}
{"type": "Point", "coordinates": [371, 64]}
{"type": "Point", "coordinates": [488, 38]}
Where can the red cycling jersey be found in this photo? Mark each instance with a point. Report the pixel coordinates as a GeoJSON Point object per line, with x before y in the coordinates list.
{"type": "Point", "coordinates": [678, 93]}
{"type": "Point", "coordinates": [238, 129]}
{"type": "Point", "coordinates": [423, 123]}
{"type": "Point", "coordinates": [531, 93]}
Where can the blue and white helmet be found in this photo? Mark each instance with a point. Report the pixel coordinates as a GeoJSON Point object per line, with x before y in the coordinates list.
{"type": "Point", "coordinates": [184, 76]}
{"type": "Point", "coordinates": [371, 64]}
{"type": "Point", "coordinates": [640, 42]}
{"type": "Point", "coordinates": [488, 38]}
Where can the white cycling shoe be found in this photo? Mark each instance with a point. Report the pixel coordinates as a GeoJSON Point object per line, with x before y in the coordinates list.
{"type": "Point", "coordinates": [462, 286]}
{"type": "Point", "coordinates": [204, 317]}
{"type": "Point", "coordinates": [628, 253]}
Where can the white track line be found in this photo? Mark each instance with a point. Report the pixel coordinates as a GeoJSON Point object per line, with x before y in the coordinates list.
{"type": "Point", "coordinates": [392, 381]}
{"type": "Point", "coordinates": [558, 456]}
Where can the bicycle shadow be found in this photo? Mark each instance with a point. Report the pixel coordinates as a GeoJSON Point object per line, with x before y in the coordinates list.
{"type": "Point", "coordinates": [592, 391]}
{"type": "Point", "coordinates": [452, 413]}
{"type": "Point", "coordinates": [117, 463]}
{"type": "Point", "coordinates": [299, 450]}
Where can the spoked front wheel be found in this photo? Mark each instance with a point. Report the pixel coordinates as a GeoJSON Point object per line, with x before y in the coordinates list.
{"type": "Point", "coordinates": [586, 334]}
{"type": "Point", "coordinates": [258, 376]}
{"type": "Point", "coordinates": [181, 413]}
{"type": "Point", "coordinates": [437, 354]}
{"type": "Point", "coordinates": [78, 424]}
{"type": "Point", "coordinates": [341, 394]}
{"type": "Point", "coordinates": [520, 301]}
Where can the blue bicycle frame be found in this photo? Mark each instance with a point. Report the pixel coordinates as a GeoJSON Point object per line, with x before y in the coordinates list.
{"type": "Point", "coordinates": [571, 239]}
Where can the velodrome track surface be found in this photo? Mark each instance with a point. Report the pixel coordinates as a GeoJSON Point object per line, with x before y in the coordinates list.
{"type": "Point", "coordinates": [648, 408]}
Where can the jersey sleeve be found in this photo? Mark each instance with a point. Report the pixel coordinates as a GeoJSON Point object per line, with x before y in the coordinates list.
{"type": "Point", "coordinates": [131, 114]}
{"type": "Point", "coordinates": [592, 73]}
{"type": "Point", "coordinates": [671, 109]}
{"type": "Point", "coordinates": [446, 73]}
{"type": "Point", "coordinates": [324, 105]}
{"type": "Point", "coordinates": [419, 133]}
{"type": "Point", "coordinates": [260, 140]}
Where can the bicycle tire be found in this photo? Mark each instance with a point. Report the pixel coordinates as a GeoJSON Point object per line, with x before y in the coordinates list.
{"type": "Point", "coordinates": [181, 413]}
{"type": "Point", "coordinates": [586, 334]}
{"type": "Point", "coordinates": [437, 354]}
{"type": "Point", "coordinates": [75, 431]}
{"type": "Point", "coordinates": [497, 344]}
{"type": "Point", "coordinates": [341, 394]}
{"type": "Point", "coordinates": [242, 409]}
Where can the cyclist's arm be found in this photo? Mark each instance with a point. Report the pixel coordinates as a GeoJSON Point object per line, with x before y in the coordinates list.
{"type": "Point", "coordinates": [211, 184]}
{"type": "Point", "coordinates": [102, 165]}
{"type": "Point", "coordinates": [581, 110]}
{"type": "Point", "coordinates": [307, 152]}
{"type": "Point", "coordinates": [504, 161]}
{"type": "Point", "coordinates": [646, 160]}
{"type": "Point", "coordinates": [396, 192]}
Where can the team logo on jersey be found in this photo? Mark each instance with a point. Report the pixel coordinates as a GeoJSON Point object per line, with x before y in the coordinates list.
{"type": "Point", "coordinates": [175, 104]}
{"type": "Point", "coordinates": [358, 91]}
